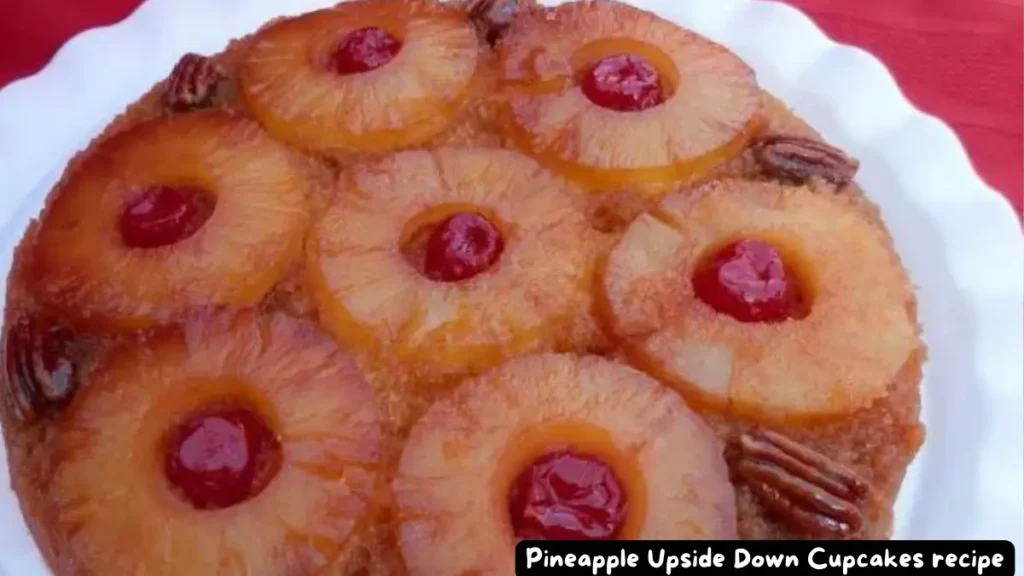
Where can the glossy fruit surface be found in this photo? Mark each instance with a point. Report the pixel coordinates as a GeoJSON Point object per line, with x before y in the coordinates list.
{"type": "Point", "coordinates": [749, 281]}
{"type": "Point", "coordinates": [555, 446]}
{"type": "Point", "coordinates": [611, 96]}
{"type": "Point", "coordinates": [762, 300]}
{"type": "Point", "coordinates": [373, 76]}
{"type": "Point", "coordinates": [564, 495]}
{"type": "Point", "coordinates": [462, 246]}
{"type": "Point", "coordinates": [113, 250]}
{"type": "Point", "coordinates": [220, 457]}
{"type": "Point", "coordinates": [508, 270]}
{"type": "Point", "coordinates": [163, 215]}
{"type": "Point", "coordinates": [623, 82]}
{"type": "Point", "coordinates": [40, 371]}
{"type": "Point", "coordinates": [241, 444]}
{"type": "Point", "coordinates": [364, 50]}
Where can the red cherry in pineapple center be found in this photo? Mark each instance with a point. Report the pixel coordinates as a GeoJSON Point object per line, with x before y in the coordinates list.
{"type": "Point", "coordinates": [565, 495]}
{"type": "Point", "coordinates": [462, 246]}
{"type": "Point", "coordinates": [749, 281]}
{"type": "Point", "coordinates": [625, 83]}
{"type": "Point", "coordinates": [364, 50]}
{"type": "Point", "coordinates": [164, 215]}
{"type": "Point", "coordinates": [221, 457]}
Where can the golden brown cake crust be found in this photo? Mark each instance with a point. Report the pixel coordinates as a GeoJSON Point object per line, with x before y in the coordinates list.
{"type": "Point", "coordinates": [876, 444]}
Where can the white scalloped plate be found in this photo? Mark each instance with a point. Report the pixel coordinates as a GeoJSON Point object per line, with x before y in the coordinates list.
{"type": "Point", "coordinates": [960, 240]}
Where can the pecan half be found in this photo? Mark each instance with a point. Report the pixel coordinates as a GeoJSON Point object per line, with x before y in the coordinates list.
{"type": "Point", "coordinates": [192, 84]}
{"type": "Point", "coordinates": [493, 17]}
{"type": "Point", "coordinates": [801, 487]}
{"type": "Point", "coordinates": [40, 373]}
{"type": "Point", "coordinates": [798, 159]}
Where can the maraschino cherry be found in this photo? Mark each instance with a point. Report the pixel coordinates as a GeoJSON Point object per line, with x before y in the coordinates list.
{"type": "Point", "coordinates": [625, 83]}
{"type": "Point", "coordinates": [364, 50]}
{"type": "Point", "coordinates": [221, 457]}
{"type": "Point", "coordinates": [566, 495]}
{"type": "Point", "coordinates": [462, 246]}
{"type": "Point", "coordinates": [164, 215]}
{"type": "Point", "coordinates": [749, 281]}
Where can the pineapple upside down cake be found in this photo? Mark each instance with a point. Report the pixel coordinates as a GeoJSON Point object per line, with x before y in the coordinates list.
{"type": "Point", "coordinates": [384, 288]}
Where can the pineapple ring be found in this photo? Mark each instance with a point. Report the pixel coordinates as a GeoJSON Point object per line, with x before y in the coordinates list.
{"type": "Point", "coordinates": [109, 485]}
{"type": "Point", "coordinates": [372, 298]}
{"type": "Point", "coordinates": [708, 117]}
{"type": "Point", "coordinates": [838, 359]}
{"type": "Point", "coordinates": [462, 457]}
{"type": "Point", "coordinates": [83, 266]}
{"type": "Point", "coordinates": [287, 86]}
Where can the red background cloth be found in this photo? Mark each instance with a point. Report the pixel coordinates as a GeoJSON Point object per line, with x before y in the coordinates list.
{"type": "Point", "coordinates": [958, 59]}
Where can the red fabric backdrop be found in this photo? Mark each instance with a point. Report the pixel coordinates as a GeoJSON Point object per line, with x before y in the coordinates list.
{"type": "Point", "coordinates": [958, 59]}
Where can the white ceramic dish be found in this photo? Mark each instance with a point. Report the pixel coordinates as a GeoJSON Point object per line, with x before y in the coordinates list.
{"type": "Point", "coordinates": [960, 240]}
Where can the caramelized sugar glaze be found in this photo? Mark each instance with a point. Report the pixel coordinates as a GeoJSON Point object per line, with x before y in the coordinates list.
{"type": "Point", "coordinates": [382, 288]}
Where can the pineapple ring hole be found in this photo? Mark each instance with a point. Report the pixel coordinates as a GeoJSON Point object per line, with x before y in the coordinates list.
{"type": "Point", "coordinates": [359, 47]}
{"type": "Point", "coordinates": [221, 455]}
{"type": "Point", "coordinates": [364, 50]}
{"type": "Point", "coordinates": [566, 495]}
{"type": "Point", "coordinates": [587, 442]}
{"type": "Point", "coordinates": [232, 450]}
{"type": "Point", "coordinates": [162, 215]}
{"type": "Point", "coordinates": [420, 237]}
{"type": "Point", "coordinates": [763, 278]}
{"type": "Point", "coordinates": [584, 60]}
